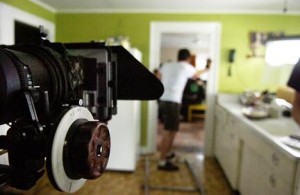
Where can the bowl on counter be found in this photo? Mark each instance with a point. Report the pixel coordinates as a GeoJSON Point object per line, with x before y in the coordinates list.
{"type": "Point", "coordinates": [255, 112]}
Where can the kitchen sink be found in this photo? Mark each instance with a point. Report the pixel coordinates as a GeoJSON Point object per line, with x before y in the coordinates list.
{"type": "Point", "coordinates": [279, 126]}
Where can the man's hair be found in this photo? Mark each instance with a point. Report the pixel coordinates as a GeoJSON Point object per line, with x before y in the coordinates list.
{"type": "Point", "coordinates": [183, 54]}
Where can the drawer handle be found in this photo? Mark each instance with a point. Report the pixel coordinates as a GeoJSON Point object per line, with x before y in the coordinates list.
{"type": "Point", "coordinates": [275, 159]}
{"type": "Point", "coordinates": [272, 181]}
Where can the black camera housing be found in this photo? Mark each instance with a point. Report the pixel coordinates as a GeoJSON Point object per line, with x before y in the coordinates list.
{"type": "Point", "coordinates": [41, 85]}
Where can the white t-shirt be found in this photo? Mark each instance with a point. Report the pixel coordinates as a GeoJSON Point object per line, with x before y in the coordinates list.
{"type": "Point", "coordinates": [174, 77]}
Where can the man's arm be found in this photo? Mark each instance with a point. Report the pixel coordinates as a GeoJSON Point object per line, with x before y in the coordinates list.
{"type": "Point", "coordinates": [200, 72]}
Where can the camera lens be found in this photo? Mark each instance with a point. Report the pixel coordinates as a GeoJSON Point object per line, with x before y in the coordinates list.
{"type": "Point", "coordinates": [30, 68]}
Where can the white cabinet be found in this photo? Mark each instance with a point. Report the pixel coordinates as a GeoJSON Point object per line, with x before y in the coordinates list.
{"type": "Point", "coordinates": [264, 168]}
{"type": "Point", "coordinates": [260, 177]}
{"type": "Point", "coordinates": [227, 145]}
{"type": "Point", "coordinates": [254, 161]}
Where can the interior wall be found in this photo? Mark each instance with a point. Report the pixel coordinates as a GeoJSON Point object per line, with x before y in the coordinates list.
{"type": "Point", "coordinates": [170, 54]}
{"type": "Point", "coordinates": [235, 34]}
{"type": "Point", "coordinates": [246, 72]}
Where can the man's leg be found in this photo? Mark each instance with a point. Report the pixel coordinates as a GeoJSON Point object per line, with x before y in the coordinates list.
{"type": "Point", "coordinates": [171, 123]}
{"type": "Point", "coordinates": [166, 143]}
{"type": "Point", "coordinates": [165, 147]}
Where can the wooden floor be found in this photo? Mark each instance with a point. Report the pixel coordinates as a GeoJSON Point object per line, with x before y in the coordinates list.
{"type": "Point", "coordinates": [188, 145]}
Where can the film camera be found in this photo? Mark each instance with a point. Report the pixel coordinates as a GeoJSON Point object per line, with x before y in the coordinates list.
{"type": "Point", "coordinates": [57, 99]}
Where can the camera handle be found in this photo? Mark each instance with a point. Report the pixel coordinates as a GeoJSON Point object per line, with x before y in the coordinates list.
{"type": "Point", "coordinates": [106, 91]}
{"type": "Point", "coordinates": [23, 138]}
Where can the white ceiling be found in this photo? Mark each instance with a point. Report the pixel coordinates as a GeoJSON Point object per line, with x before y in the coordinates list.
{"type": "Point", "coordinates": [188, 40]}
{"type": "Point", "coordinates": [176, 6]}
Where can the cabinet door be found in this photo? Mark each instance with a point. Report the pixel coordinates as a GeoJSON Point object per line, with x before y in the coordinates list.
{"type": "Point", "coordinates": [227, 146]}
{"type": "Point", "coordinates": [219, 142]}
{"type": "Point", "coordinates": [218, 134]}
{"type": "Point", "coordinates": [258, 178]}
{"type": "Point", "coordinates": [231, 151]}
{"type": "Point", "coordinates": [282, 164]}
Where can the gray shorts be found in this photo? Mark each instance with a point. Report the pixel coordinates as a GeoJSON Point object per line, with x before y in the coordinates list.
{"type": "Point", "coordinates": [170, 114]}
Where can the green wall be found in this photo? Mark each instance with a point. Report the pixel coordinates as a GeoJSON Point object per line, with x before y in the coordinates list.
{"type": "Point", "coordinates": [32, 8]}
{"type": "Point", "coordinates": [246, 72]}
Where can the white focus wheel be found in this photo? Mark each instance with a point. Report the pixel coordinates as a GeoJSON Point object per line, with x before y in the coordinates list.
{"type": "Point", "coordinates": [63, 182]}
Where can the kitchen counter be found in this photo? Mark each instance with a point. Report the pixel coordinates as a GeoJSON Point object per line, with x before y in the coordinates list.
{"type": "Point", "coordinates": [271, 129]}
{"type": "Point", "coordinates": [252, 153]}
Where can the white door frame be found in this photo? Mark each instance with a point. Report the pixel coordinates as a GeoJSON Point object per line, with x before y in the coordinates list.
{"type": "Point", "coordinates": [214, 30]}
{"type": "Point", "coordinates": [8, 16]}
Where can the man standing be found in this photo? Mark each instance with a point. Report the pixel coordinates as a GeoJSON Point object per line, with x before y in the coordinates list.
{"type": "Point", "coordinates": [174, 77]}
{"type": "Point", "coordinates": [294, 82]}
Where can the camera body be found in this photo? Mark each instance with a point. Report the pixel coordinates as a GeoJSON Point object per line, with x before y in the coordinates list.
{"type": "Point", "coordinates": [57, 99]}
{"type": "Point", "coordinates": [65, 78]}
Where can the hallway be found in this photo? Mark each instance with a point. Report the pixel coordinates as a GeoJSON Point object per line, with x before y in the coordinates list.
{"type": "Point", "coordinates": [190, 137]}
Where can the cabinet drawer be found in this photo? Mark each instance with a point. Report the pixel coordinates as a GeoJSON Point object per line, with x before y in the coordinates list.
{"type": "Point", "coordinates": [258, 178]}
{"type": "Point", "coordinates": [279, 162]}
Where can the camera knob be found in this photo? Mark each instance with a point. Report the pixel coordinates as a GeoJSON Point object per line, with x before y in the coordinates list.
{"type": "Point", "coordinates": [89, 150]}
{"type": "Point", "coordinates": [79, 150]}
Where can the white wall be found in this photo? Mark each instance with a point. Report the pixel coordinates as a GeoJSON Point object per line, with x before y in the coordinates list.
{"type": "Point", "coordinates": [170, 53]}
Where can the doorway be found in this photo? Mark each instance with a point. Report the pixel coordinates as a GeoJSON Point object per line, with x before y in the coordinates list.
{"type": "Point", "coordinates": [9, 15]}
{"type": "Point", "coordinates": [212, 31]}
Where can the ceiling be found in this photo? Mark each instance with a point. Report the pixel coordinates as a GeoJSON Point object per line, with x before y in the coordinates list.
{"type": "Point", "coordinates": [188, 40]}
{"type": "Point", "coordinates": [174, 6]}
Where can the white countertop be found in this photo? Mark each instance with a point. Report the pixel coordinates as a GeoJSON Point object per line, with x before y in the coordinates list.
{"type": "Point", "coordinates": [271, 129]}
